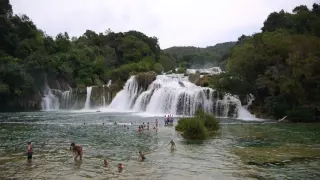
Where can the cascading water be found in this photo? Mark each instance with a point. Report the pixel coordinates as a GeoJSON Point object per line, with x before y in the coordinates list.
{"type": "Point", "coordinates": [243, 110]}
{"type": "Point", "coordinates": [49, 100]}
{"type": "Point", "coordinates": [174, 94]}
{"type": "Point", "coordinates": [66, 99]}
{"type": "Point", "coordinates": [126, 97]}
{"type": "Point", "coordinates": [87, 103]}
{"type": "Point", "coordinates": [104, 96]}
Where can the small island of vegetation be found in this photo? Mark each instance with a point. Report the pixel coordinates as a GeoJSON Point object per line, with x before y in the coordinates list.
{"type": "Point", "coordinates": [199, 127]}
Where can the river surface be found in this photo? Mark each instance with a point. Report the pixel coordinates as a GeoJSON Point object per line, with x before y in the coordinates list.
{"type": "Point", "coordinates": [242, 149]}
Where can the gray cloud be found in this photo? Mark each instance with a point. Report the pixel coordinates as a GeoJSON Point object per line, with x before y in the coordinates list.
{"type": "Point", "coordinates": [174, 22]}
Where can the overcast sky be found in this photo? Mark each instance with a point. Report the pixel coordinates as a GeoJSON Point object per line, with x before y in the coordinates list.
{"type": "Point", "coordinates": [174, 22]}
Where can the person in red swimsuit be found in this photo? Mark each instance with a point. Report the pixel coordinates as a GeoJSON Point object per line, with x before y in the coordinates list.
{"type": "Point", "coordinates": [77, 151]}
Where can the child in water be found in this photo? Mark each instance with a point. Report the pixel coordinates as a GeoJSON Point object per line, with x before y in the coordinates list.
{"type": "Point", "coordinates": [156, 122]}
{"type": "Point", "coordinates": [141, 156]}
{"type": "Point", "coordinates": [120, 167]}
{"type": "Point", "coordinates": [173, 145]}
{"type": "Point", "coordinates": [105, 163]}
{"type": "Point", "coordinates": [29, 152]}
{"type": "Point", "coordinates": [77, 151]}
{"type": "Point", "coordinates": [148, 126]}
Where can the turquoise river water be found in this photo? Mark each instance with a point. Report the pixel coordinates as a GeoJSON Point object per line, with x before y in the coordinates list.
{"type": "Point", "coordinates": [242, 149]}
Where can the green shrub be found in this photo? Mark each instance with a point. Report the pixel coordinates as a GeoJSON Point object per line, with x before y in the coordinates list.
{"type": "Point", "coordinates": [158, 68]}
{"type": "Point", "coordinates": [181, 70]}
{"type": "Point", "coordinates": [199, 126]}
{"type": "Point", "coordinates": [210, 122]}
{"type": "Point", "coordinates": [300, 114]}
{"type": "Point", "coordinates": [192, 128]}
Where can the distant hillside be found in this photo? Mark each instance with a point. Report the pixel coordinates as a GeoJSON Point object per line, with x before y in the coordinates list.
{"type": "Point", "coordinates": [195, 57]}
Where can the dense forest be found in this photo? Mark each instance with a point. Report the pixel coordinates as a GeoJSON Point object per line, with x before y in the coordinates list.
{"type": "Point", "coordinates": [280, 66]}
{"type": "Point", "coordinates": [30, 59]}
{"type": "Point", "coordinates": [195, 57]}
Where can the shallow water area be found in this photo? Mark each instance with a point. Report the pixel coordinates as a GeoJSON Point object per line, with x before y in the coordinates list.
{"type": "Point", "coordinates": [242, 149]}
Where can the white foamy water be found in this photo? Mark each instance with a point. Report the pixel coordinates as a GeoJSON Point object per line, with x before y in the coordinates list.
{"type": "Point", "coordinates": [211, 71]}
{"type": "Point", "coordinates": [87, 103]}
{"type": "Point", "coordinates": [49, 101]}
{"type": "Point", "coordinates": [174, 94]}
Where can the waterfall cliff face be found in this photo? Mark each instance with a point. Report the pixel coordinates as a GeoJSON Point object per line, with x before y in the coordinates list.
{"type": "Point", "coordinates": [78, 98]}
{"type": "Point", "coordinates": [49, 100]}
{"type": "Point", "coordinates": [174, 94]}
{"type": "Point", "coordinates": [167, 94]}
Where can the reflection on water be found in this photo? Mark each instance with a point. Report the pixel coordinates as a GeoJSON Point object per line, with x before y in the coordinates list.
{"type": "Point", "coordinates": [240, 151]}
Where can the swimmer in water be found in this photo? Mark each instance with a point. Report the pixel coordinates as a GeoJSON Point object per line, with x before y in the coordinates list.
{"type": "Point", "coordinates": [141, 156]}
{"type": "Point", "coordinates": [157, 122]}
{"type": "Point", "coordinates": [173, 145]}
{"type": "Point", "coordinates": [105, 163]}
{"type": "Point", "coordinates": [120, 167]}
{"type": "Point", "coordinates": [148, 126]}
{"type": "Point", "coordinates": [77, 151]}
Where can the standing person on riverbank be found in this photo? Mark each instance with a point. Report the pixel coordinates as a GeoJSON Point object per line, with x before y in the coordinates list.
{"type": "Point", "coordinates": [77, 151]}
{"type": "Point", "coordinates": [30, 151]}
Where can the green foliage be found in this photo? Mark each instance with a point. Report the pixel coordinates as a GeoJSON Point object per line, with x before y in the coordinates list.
{"type": "Point", "coordinates": [210, 122]}
{"type": "Point", "coordinates": [192, 128]}
{"type": "Point", "coordinates": [168, 63]}
{"type": "Point", "coordinates": [199, 126]}
{"type": "Point", "coordinates": [193, 57]}
{"type": "Point", "coordinates": [181, 70]}
{"type": "Point", "coordinates": [279, 66]}
{"type": "Point", "coordinates": [158, 68]}
{"type": "Point", "coordinates": [29, 58]}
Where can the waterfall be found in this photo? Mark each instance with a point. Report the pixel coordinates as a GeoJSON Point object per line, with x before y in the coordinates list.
{"type": "Point", "coordinates": [66, 99]}
{"type": "Point", "coordinates": [174, 94]}
{"type": "Point", "coordinates": [109, 83]}
{"type": "Point", "coordinates": [243, 111]}
{"type": "Point", "coordinates": [49, 100]}
{"type": "Point", "coordinates": [125, 98]}
{"type": "Point", "coordinates": [87, 103]}
{"type": "Point", "coordinates": [103, 97]}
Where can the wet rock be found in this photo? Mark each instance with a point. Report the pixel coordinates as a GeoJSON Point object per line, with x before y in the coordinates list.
{"type": "Point", "coordinates": [145, 79]}
{"type": "Point", "coordinates": [194, 78]}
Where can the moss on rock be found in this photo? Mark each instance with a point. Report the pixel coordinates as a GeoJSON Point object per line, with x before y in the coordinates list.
{"type": "Point", "coordinates": [194, 78]}
{"type": "Point", "coordinates": [203, 81]}
{"type": "Point", "coordinates": [145, 79]}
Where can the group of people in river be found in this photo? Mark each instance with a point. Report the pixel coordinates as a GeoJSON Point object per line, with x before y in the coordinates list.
{"type": "Point", "coordinates": [168, 120]}
{"type": "Point", "coordinates": [147, 127]}
{"type": "Point", "coordinates": [78, 151]}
